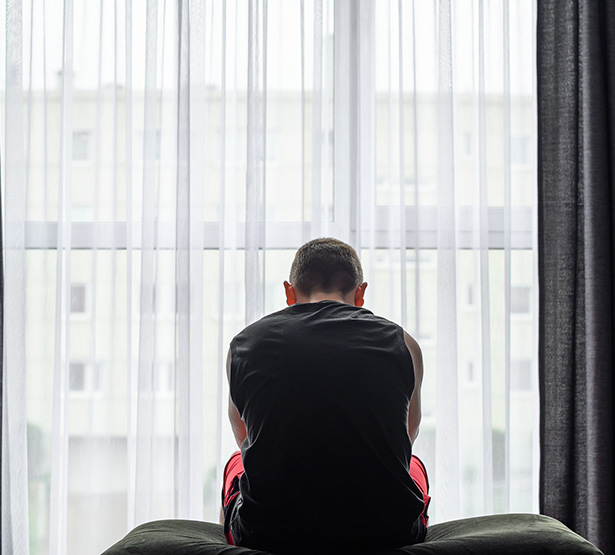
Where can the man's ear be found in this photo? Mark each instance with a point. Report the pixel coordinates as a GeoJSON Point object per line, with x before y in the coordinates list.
{"type": "Point", "coordinates": [291, 296]}
{"type": "Point", "coordinates": [359, 293]}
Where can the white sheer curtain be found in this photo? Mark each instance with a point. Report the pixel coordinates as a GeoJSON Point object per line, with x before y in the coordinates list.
{"type": "Point", "coordinates": [162, 162]}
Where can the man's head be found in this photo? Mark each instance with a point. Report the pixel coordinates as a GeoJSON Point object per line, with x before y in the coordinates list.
{"type": "Point", "coordinates": [326, 269]}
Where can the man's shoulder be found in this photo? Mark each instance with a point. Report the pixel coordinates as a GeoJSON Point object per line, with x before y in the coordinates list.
{"type": "Point", "coordinates": [264, 322]}
{"type": "Point", "coordinates": [329, 311]}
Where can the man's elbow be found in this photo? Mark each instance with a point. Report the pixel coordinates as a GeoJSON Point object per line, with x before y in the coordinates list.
{"type": "Point", "coordinates": [414, 425]}
{"type": "Point", "coordinates": [414, 434]}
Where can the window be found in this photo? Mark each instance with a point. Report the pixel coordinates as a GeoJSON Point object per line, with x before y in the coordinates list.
{"type": "Point", "coordinates": [471, 377]}
{"type": "Point", "coordinates": [470, 295]}
{"type": "Point", "coordinates": [171, 258]}
{"type": "Point", "coordinates": [520, 299]}
{"type": "Point", "coordinates": [521, 376]}
{"type": "Point", "coordinates": [468, 143]}
{"type": "Point", "coordinates": [84, 378]}
{"type": "Point", "coordinates": [78, 298]}
{"type": "Point", "coordinates": [520, 150]}
{"type": "Point", "coordinates": [82, 145]}
{"type": "Point", "coordinates": [76, 380]}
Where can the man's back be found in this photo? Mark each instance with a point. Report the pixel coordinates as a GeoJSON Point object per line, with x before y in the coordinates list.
{"type": "Point", "coordinates": [323, 389]}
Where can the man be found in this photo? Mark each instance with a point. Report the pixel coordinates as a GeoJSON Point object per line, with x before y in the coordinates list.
{"type": "Point", "coordinates": [325, 404]}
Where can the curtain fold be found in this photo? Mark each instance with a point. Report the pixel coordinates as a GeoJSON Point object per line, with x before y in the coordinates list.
{"type": "Point", "coordinates": [176, 156]}
{"type": "Point", "coordinates": [15, 521]}
{"type": "Point", "coordinates": [447, 386]}
{"type": "Point", "coordinates": [146, 457]}
{"type": "Point", "coordinates": [576, 69]}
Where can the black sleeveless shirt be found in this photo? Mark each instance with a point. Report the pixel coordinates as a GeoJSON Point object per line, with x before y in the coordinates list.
{"type": "Point", "coordinates": [324, 389]}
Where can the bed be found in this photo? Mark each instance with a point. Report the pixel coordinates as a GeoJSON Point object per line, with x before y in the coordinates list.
{"type": "Point", "coordinates": [497, 535]}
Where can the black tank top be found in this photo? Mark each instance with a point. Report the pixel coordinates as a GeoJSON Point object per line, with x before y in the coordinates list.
{"type": "Point", "coordinates": [324, 389]}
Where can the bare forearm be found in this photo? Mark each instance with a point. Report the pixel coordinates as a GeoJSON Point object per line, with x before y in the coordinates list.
{"type": "Point", "coordinates": [414, 419]}
{"type": "Point", "coordinates": [239, 431]}
{"type": "Point", "coordinates": [237, 425]}
{"type": "Point", "coordinates": [414, 410]}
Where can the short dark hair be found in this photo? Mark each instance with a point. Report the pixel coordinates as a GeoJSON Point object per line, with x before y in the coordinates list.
{"type": "Point", "coordinates": [327, 265]}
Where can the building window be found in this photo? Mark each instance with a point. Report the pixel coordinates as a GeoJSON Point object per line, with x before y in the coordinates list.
{"type": "Point", "coordinates": [470, 294]}
{"type": "Point", "coordinates": [78, 298]}
{"type": "Point", "coordinates": [471, 374]}
{"type": "Point", "coordinates": [76, 376]}
{"type": "Point", "coordinates": [520, 299]}
{"type": "Point", "coordinates": [81, 145]}
{"type": "Point", "coordinates": [521, 375]}
{"type": "Point", "coordinates": [84, 377]}
{"type": "Point", "coordinates": [520, 151]}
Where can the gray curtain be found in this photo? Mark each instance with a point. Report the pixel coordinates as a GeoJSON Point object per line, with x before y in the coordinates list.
{"type": "Point", "coordinates": [576, 230]}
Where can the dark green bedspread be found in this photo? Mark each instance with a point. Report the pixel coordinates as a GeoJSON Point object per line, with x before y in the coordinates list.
{"type": "Point", "coordinates": [511, 534]}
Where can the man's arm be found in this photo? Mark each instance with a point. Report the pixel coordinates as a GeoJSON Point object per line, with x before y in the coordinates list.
{"type": "Point", "coordinates": [239, 428]}
{"type": "Point", "coordinates": [414, 411]}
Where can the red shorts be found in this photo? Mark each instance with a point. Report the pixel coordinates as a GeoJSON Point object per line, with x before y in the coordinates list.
{"type": "Point", "coordinates": [234, 470]}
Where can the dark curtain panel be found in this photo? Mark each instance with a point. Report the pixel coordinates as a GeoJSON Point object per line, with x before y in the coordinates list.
{"type": "Point", "coordinates": [576, 233]}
